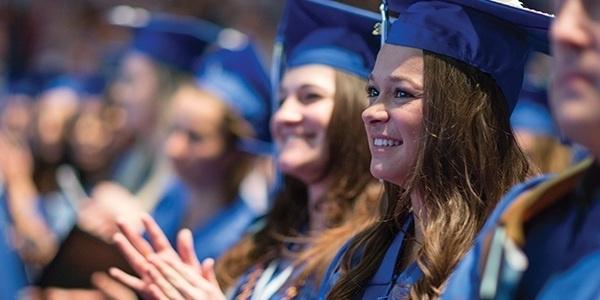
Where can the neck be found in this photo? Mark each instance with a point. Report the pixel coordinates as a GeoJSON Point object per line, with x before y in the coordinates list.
{"type": "Point", "coordinates": [316, 205]}
{"type": "Point", "coordinates": [205, 202]}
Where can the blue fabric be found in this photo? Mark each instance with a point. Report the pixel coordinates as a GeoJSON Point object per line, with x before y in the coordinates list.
{"type": "Point", "coordinates": [580, 282]}
{"type": "Point", "coordinates": [332, 275]}
{"type": "Point", "coordinates": [479, 33]}
{"type": "Point", "coordinates": [328, 33]}
{"type": "Point", "coordinates": [557, 239]}
{"type": "Point", "coordinates": [465, 280]}
{"type": "Point", "coordinates": [12, 271]}
{"type": "Point", "coordinates": [22, 86]}
{"type": "Point", "coordinates": [238, 76]}
{"type": "Point", "coordinates": [175, 40]}
{"type": "Point", "coordinates": [533, 115]}
{"type": "Point", "coordinates": [386, 282]}
{"type": "Point", "coordinates": [212, 238]}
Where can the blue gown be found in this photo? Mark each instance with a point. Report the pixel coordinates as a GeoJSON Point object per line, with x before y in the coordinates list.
{"type": "Point", "coordinates": [562, 247]}
{"type": "Point", "coordinates": [215, 236]}
{"type": "Point", "coordinates": [386, 283]}
{"type": "Point", "coordinates": [12, 271]}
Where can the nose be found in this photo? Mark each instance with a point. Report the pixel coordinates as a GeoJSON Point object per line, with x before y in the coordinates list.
{"type": "Point", "coordinates": [176, 144]}
{"type": "Point", "coordinates": [375, 113]}
{"type": "Point", "coordinates": [290, 112]}
{"type": "Point", "coordinates": [569, 29]}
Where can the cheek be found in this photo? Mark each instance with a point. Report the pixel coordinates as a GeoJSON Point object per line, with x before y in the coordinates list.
{"type": "Point", "coordinates": [209, 150]}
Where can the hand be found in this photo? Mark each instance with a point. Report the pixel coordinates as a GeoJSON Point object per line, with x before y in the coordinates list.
{"type": "Point", "coordinates": [179, 281]}
{"type": "Point", "coordinates": [16, 161]}
{"type": "Point", "coordinates": [110, 202]}
{"type": "Point", "coordinates": [110, 288]}
{"type": "Point", "coordinates": [137, 250]}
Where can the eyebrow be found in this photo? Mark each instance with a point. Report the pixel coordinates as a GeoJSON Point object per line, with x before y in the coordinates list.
{"type": "Point", "coordinates": [303, 87]}
{"type": "Point", "coordinates": [396, 78]}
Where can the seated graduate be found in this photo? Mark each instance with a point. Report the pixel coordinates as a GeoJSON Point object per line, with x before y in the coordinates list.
{"type": "Point", "coordinates": [218, 132]}
{"type": "Point", "coordinates": [327, 194]}
{"type": "Point", "coordinates": [543, 242]}
{"type": "Point", "coordinates": [440, 96]}
{"type": "Point", "coordinates": [161, 57]}
{"type": "Point", "coordinates": [160, 60]}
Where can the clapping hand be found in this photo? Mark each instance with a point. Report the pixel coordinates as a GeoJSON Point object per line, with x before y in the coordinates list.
{"type": "Point", "coordinates": [165, 273]}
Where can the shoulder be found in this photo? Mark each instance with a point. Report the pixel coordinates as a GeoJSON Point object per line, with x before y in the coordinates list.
{"type": "Point", "coordinates": [464, 281]}
{"type": "Point", "coordinates": [332, 275]}
{"type": "Point", "coordinates": [578, 282]}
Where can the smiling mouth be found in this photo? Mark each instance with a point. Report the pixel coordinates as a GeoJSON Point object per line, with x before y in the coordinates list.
{"type": "Point", "coordinates": [382, 142]}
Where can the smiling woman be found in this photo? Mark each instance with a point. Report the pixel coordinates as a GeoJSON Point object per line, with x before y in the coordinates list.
{"type": "Point", "coordinates": [394, 117]}
{"type": "Point", "coordinates": [300, 124]}
{"type": "Point", "coordinates": [440, 138]}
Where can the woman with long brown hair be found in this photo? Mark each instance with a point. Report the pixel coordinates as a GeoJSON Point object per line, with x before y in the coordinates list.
{"type": "Point", "coordinates": [327, 195]}
{"type": "Point", "coordinates": [440, 95]}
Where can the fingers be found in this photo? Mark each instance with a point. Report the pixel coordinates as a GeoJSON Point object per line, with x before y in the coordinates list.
{"type": "Point", "coordinates": [136, 239]}
{"type": "Point", "coordinates": [164, 285]}
{"type": "Point", "coordinates": [128, 280]}
{"type": "Point", "coordinates": [156, 293]}
{"type": "Point", "coordinates": [132, 255]}
{"type": "Point", "coordinates": [157, 237]}
{"type": "Point", "coordinates": [185, 248]}
{"type": "Point", "coordinates": [184, 278]}
{"type": "Point", "coordinates": [186, 272]}
{"type": "Point", "coordinates": [112, 288]}
{"type": "Point", "coordinates": [208, 271]}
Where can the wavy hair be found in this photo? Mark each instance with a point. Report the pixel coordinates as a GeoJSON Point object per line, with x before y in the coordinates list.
{"type": "Point", "coordinates": [348, 204]}
{"type": "Point", "coordinates": [467, 159]}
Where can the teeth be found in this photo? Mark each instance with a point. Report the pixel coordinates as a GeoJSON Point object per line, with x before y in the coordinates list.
{"type": "Point", "coordinates": [379, 142]}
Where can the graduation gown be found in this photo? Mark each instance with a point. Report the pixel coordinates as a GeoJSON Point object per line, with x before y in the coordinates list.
{"type": "Point", "coordinates": [386, 283]}
{"type": "Point", "coordinates": [215, 236]}
{"type": "Point", "coordinates": [539, 244]}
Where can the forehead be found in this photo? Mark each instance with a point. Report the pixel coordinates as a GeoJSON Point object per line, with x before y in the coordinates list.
{"type": "Point", "coordinates": [398, 61]}
{"type": "Point", "coordinates": [317, 75]}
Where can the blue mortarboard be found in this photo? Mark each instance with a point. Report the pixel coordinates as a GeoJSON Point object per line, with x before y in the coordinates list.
{"type": "Point", "coordinates": [93, 85]}
{"type": "Point", "coordinates": [64, 81]}
{"type": "Point", "coordinates": [490, 36]}
{"type": "Point", "coordinates": [329, 33]}
{"type": "Point", "coordinates": [234, 72]}
{"type": "Point", "coordinates": [175, 40]}
{"type": "Point", "coordinates": [532, 113]}
{"type": "Point", "coordinates": [22, 86]}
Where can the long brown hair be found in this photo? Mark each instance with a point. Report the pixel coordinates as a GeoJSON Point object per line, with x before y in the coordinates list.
{"type": "Point", "coordinates": [467, 159]}
{"type": "Point", "coordinates": [351, 183]}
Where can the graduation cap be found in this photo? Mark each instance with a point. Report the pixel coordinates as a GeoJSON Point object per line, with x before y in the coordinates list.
{"type": "Point", "coordinates": [532, 113]}
{"type": "Point", "coordinates": [328, 33]}
{"type": "Point", "coordinates": [67, 82]}
{"type": "Point", "coordinates": [176, 41]}
{"type": "Point", "coordinates": [491, 36]}
{"type": "Point", "coordinates": [22, 86]}
{"type": "Point", "coordinates": [234, 71]}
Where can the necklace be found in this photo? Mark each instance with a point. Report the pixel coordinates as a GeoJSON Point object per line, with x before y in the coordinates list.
{"type": "Point", "coordinates": [261, 284]}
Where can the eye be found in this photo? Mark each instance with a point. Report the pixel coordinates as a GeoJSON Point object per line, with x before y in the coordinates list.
{"type": "Point", "coordinates": [309, 97]}
{"type": "Point", "coordinates": [194, 137]}
{"type": "Point", "coordinates": [281, 99]}
{"type": "Point", "coordinates": [372, 92]}
{"type": "Point", "coordinates": [399, 93]}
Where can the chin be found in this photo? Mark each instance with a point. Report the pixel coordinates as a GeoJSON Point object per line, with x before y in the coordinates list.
{"type": "Point", "coordinates": [390, 171]}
